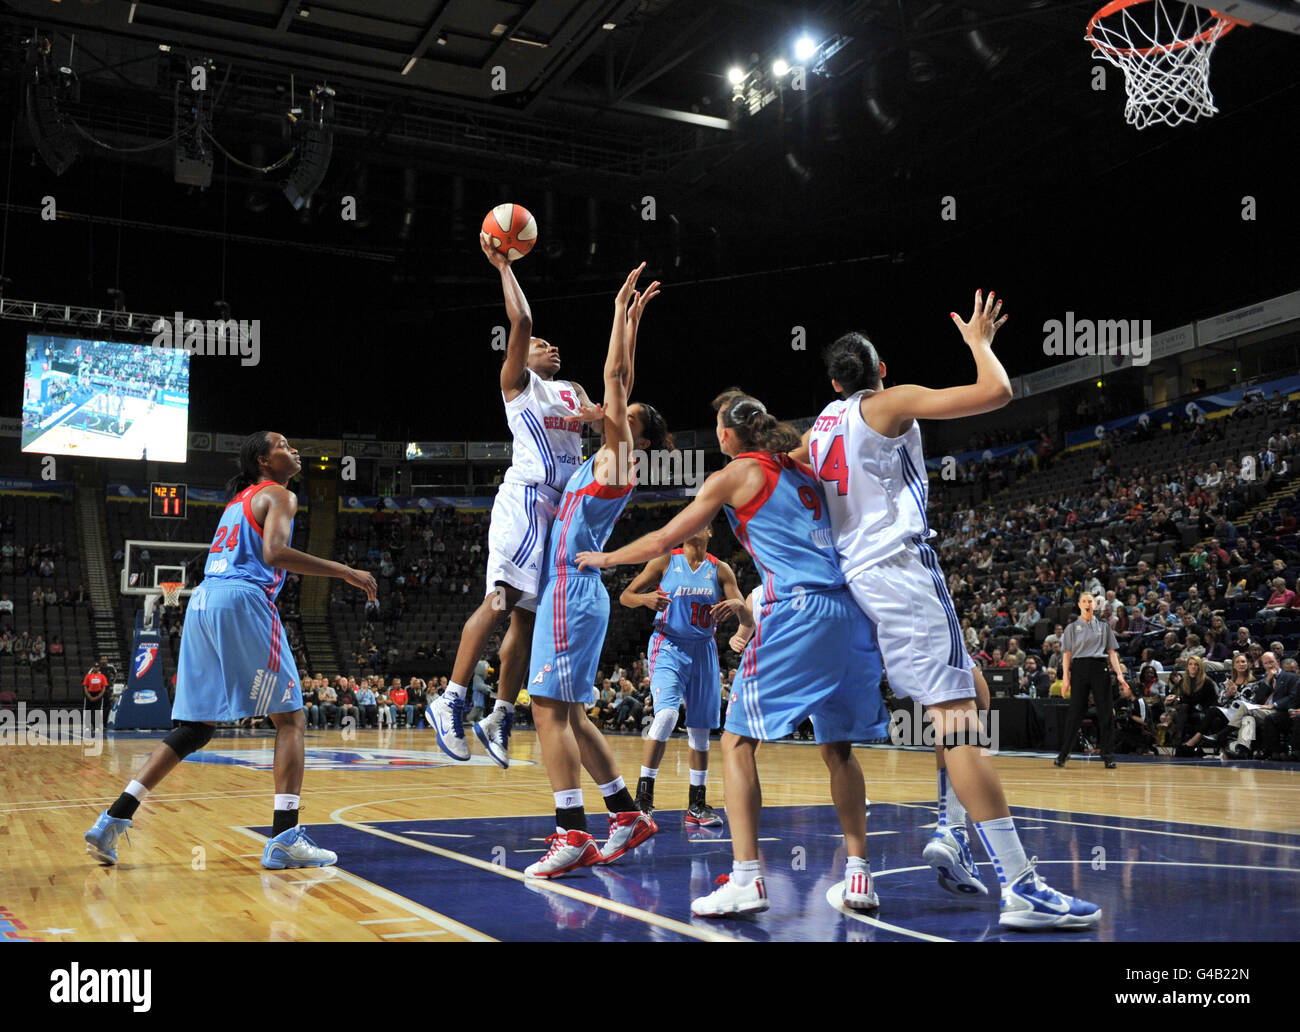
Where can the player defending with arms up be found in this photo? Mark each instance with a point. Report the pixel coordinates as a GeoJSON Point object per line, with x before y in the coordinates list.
{"type": "Point", "coordinates": [545, 415]}
{"type": "Point", "coordinates": [235, 659]}
{"type": "Point", "coordinates": [813, 653]}
{"type": "Point", "coordinates": [573, 615]}
{"type": "Point", "coordinates": [690, 591]}
{"type": "Point", "coordinates": [866, 450]}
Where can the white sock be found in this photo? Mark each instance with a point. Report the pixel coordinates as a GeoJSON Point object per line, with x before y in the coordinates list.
{"type": "Point", "coordinates": [699, 777]}
{"type": "Point", "coordinates": [1002, 844]}
{"type": "Point", "coordinates": [650, 772]}
{"type": "Point", "coordinates": [502, 707]}
{"type": "Point", "coordinates": [951, 813]}
{"type": "Point", "coordinates": [613, 787]}
{"type": "Point", "coordinates": [568, 799]}
{"type": "Point", "coordinates": [287, 802]}
{"type": "Point", "coordinates": [856, 865]}
{"type": "Point", "coordinates": [138, 790]}
{"type": "Point", "coordinates": [743, 872]}
{"type": "Point", "coordinates": [454, 691]}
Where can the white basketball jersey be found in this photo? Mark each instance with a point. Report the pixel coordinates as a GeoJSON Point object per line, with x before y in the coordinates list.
{"type": "Point", "coordinates": [876, 487]}
{"type": "Point", "coordinates": [547, 445]}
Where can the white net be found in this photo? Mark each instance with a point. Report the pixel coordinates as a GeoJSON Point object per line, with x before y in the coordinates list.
{"type": "Point", "coordinates": [171, 593]}
{"type": "Point", "coordinates": [1163, 49]}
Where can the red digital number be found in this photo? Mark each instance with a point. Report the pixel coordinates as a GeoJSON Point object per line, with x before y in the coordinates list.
{"type": "Point", "coordinates": [701, 615]}
{"type": "Point", "coordinates": [810, 501]}
{"type": "Point", "coordinates": [835, 468]}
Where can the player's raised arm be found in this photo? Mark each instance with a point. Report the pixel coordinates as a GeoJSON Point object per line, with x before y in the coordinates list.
{"type": "Point", "coordinates": [636, 593]}
{"type": "Point", "coordinates": [514, 371]}
{"type": "Point", "coordinates": [991, 389]}
{"type": "Point", "coordinates": [634, 312]}
{"type": "Point", "coordinates": [733, 602]}
{"type": "Point", "coordinates": [277, 526]}
{"type": "Point", "coordinates": [616, 373]}
{"type": "Point", "coordinates": [692, 520]}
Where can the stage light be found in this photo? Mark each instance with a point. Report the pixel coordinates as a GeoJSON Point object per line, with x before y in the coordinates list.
{"type": "Point", "coordinates": [804, 48]}
{"type": "Point", "coordinates": [779, 67]}
{"type": "Point", "coordinates": [735, 75]}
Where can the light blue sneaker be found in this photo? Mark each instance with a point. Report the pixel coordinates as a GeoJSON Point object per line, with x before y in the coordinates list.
{"type": "Point", "coordinates": [1029, 903]}
{"type": "Point", "coordinates": [948, 852]}
{"type": "Point", "coordinates": [495, 736]}
{"type": "Point", "coordinates": [448, 721]}
{"type": "Point", "coordinates": [101, 839]}
{"type": "Point", "coordinates": [293, 848]}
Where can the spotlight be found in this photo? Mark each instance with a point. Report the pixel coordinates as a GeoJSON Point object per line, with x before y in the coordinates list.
{"type": "Point", "coordinates": [779, 67]}
{"type": "Point", "coordinates": [735, 75]}
{"type": "Point", "coordinates": [804, 48]}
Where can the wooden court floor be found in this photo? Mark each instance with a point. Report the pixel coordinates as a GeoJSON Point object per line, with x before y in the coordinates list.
{"type": "Point", "coordinates": [192, 869]}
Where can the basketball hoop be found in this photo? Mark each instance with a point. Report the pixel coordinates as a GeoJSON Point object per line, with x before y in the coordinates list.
{"type": "Point", "coordinates": [171, 593]}
{"type": "Point", "coordinates": [1164, 52]}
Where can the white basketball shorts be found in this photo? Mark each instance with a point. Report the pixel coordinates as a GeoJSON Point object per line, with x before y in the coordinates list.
{"type": "Point", "coordinates": [521, 516]}
{"type": "Point", "coordinates": [917, 626]}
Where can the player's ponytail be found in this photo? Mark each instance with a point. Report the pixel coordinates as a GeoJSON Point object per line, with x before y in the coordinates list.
{"type": "Point", "coordinates": [852, 362]}
{"type": "Point", "coordinates": [255, 447]}
{"type": "Point", "coordinates": [755, 427]}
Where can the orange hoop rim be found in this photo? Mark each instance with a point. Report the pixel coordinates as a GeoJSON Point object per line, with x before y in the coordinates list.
{"type": "Point", "coordinates": [171, 591]}
{"type": "Point", "coordinates": [1213, 32]}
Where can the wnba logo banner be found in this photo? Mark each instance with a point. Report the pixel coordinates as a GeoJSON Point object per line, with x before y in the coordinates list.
{"type": "Point", "coordinates": [144, 704]}
{"type": "Point", "coordinates": [144, 658]}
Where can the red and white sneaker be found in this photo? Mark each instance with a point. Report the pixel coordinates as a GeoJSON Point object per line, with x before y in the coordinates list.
{"type": "Point", "coordinates": [730, 898]}
{"type": "Point", "coordinates": [860, 893]}
{"type": "Point", "coordinates": [626, 832]}
{"type": "Point", "coordinates": [569, 851]}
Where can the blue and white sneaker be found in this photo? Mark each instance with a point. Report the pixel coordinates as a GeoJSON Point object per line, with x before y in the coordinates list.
{"type": "Point", "coordinates": [948, 852]}
{"type": "Point", "coordinates": [1029, 903]}
{"type": "Point", "coordinates": [293, 848]}
{"type": "Point", "coordinates": [494, 733]}
{"type": "Point", "coordinates": [448, 720]}
{"type": "Point", "coordinates": [101, 839]}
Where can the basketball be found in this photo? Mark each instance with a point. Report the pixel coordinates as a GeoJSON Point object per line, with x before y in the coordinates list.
{"type": "Point", "coordinates": [512, 229]}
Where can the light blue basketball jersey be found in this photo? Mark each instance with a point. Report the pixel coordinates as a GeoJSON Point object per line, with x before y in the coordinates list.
{"type": "Point", "coordinates": [692, 595]}
{"type": "Point", "coordinates": [787, 530]}
{"type": "Point", "coordinates": [236, 552]}
{"type": "Point", "coordinates": [588, 512]}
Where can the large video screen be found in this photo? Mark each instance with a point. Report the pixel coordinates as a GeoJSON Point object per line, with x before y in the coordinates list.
{"type": "Point", "coordinates": [105, 399]}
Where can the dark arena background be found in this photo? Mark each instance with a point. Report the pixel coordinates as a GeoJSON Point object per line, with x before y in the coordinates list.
{"type": "Point", "coordinates": [228, 216]}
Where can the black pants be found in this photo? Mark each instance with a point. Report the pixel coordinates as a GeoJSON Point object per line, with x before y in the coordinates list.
{"type": "Point", "coordinates": [1090, 675]}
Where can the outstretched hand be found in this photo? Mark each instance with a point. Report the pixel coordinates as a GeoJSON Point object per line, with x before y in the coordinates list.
{"type": "Point", "coordinates": [498, 259]}
{"type": "Point", "coordinates": [590, 413]}
{"type": "Point", "coordinates": [628, 288]}
{"type": "Point", "coordinates": [639, 300]}
{"type": "Point", "coordinates": [984, 321]}
{"type": "Point", "coordinates": [592, 560]}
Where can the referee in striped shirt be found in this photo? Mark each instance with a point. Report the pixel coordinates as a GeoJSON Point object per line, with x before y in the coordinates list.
{"type": "Point", "coordinates": [1087, 646]}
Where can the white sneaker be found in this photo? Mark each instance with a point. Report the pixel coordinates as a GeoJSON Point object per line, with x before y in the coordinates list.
{"type": "Point", "coordinates": [494, 732]}
{"type": "Point", "coordinates": [293, 848]}
{"type": "Point", "coordinates": [860, 892]}
{"type": "Point", "coordinates": [448, 720]}
{"type": "Point", "coordinates": [626, 832]}
{"type": "Point", "coordinates": [948, 852]}
{"type": "Point", "coordinates": [569, 851]}
{"type": "Point", "coordinates": [730, 898]}
{"type": "Point", "coordinates": [1030, 904]}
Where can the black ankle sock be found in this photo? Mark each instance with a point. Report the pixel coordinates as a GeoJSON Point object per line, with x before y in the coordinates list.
{"type": "Point", "coordinates": [697, 793]}
{"type": "Point", "coordinates": [620, 801]}
{"type": "Point", "coordinates": [125, 806]}
{"type": "Point", "coordinates": [284, 820]}
{"type": "Point", "coordinates": [571, 818]}
{"type": "Point", "coordinates": [646, 787]}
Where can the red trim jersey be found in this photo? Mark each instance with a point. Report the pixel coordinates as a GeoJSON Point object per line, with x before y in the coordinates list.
{"type": "Point", "coordinates": [236, 552]}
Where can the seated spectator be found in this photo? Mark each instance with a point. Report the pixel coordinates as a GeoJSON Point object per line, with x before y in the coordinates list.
{"type": "Point", "coordinates": [6, 605]}
{"type": "Point", "coordinates": [313, 712]}
{"type": "Point", "coordinates": [1281, 598]}
{"type": "Point", "coordinates": [56, 646]}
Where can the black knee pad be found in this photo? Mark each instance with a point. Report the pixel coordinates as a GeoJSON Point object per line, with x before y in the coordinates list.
{"type": "Point", "coordinates": [188, 737]}
{"type": "Point", "coordinates": [960, 738]}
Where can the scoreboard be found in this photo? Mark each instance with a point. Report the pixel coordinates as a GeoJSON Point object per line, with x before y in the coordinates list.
{"type": "Point", "coordinates": [167, 501]}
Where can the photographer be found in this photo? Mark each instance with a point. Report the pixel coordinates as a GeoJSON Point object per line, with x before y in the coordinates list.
{"type": "Point", "coordinates": [1132, 732]}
